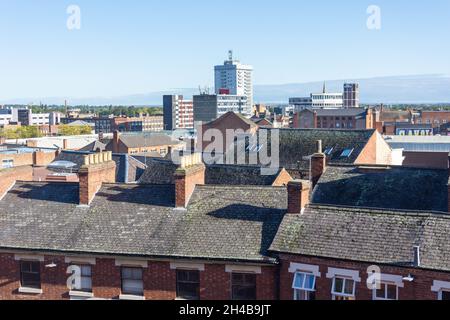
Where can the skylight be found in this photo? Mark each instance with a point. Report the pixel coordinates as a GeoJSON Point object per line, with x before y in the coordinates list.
{"type": "Point", "coordinates": [347, 153]}
{"type": "Point", "coordinates": [328, 151]}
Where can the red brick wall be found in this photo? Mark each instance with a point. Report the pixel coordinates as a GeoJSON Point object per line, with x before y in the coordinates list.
{"type": "Point", "coordinates": [185, 182]}
{"type": "Point", "coordinates": [419, 289]}
{"type": "Point", "coordinates": [9, 176]}
{"type": "Point", "coordinates": [159, 281]}
{"type": "Point", "coordinates": [92, 177]}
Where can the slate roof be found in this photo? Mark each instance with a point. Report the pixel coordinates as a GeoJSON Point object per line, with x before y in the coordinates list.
{"type": "Point", "coordinates": [238, 175]}
{"type": "Point", "coordinates": [94, 147]}
{"type": "Point", "coordinates": [395, 188]}
{"type": "Point", "coordinates": [158, 171]}
{"type": "Point", "coordinates": [367, 235]}
{"type": "Point", "coordinates": [297, 145]}
{"type": "Point", "coordinates": [220, 223]}
{"type": "Point", "coordinates": [161, 171]}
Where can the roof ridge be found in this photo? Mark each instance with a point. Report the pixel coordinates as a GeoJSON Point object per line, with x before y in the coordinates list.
{"type": "Point", "coordinates": [390, 211]}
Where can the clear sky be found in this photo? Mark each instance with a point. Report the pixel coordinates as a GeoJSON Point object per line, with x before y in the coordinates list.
{"type": "Point", "coordinates": [137, 46]}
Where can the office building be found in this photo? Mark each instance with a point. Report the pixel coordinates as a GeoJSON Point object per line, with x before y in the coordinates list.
{"type": "Point", "coordinates": [234, 78]}
{"type": "Point", "coordinates": [209, 107]}
{"type": "Point", "coordinates": [351, 95]}
{"type": "Point", "coordinates": [178, 113]}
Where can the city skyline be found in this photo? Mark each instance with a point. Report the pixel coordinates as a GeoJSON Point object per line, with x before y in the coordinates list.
{"type": "Point", "coordinates": [123, 49]}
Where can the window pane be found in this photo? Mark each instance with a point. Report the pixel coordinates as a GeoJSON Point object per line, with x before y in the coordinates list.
{"type": "Point", "coordinates": [338, 285]}
{"type": "Point", "coordinates": [188, 284]}
{"type": "Point", "coordinates": [391, 292]}
{"type": "Point", "coordinates": [86, 284]}
{"type": "Point", "coordinates": [349, 286]}
{"type": "Point", "coordinates": [446, 295]}
{"type": "Point", "coordinates": [310, 282]}
{"type": "Point", "coordinates": [299, 281]}
{"type": "Point", "coordinates": [86, 271]}
{"type": "Point", "coordinates": [381, 294]}
{"type": "Point", "coordinates": [243, 286]}
{"type": "Point", "coordinates": [134, 287]}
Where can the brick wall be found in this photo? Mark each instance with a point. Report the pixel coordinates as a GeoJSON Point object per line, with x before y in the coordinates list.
{"type": "Point", "coordinates": [159, 280]}
{"type": "Point", "coordinates": [27, 159]}
{"type": "Point", "coordinates": [91, 178]}
{"type": "Point", "coordinates": [9, 176]}
{"type": "Point", "coordinates": [419, 289]}
{"type": "Point", "coordinates": [185, 181]}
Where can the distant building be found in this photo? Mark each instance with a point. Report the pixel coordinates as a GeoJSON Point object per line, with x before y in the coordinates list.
{"type": "Point", "coordinates": [235, 79]}
{"type": "Point", "coordinates": [323, 100]}
{"type": "Point", "coordinates": [351, 118]}
{"type": "Point", "coordinates": [209, 107]}
{"type": "Point", "coordinates": [351, 95]}
{"type": "Point", "coordinates": [434, 118]}
{"type": "Point", "coordinates": [26, 117]}
{"type": "Point", "coordinates": [178, 113]}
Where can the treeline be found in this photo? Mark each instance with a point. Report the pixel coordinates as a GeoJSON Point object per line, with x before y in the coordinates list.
{"type": "Point", "coordinates": [28, 132]}
{"type": "Point", "coordinates": [23, 132]}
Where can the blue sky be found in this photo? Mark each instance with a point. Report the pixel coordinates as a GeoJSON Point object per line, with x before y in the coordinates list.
{"type": "Point", "coordinates": [127, 47]}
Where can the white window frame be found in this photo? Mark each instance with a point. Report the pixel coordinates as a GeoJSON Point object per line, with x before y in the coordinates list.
{"type": "Point", "coordinates": [305, 269]}
{"type": "Point", "coordinates": [385, 285]}
{"type": "Point", "coordinates": [345, 274]}
{"type": "Point", "coordinates": [439, 287]}
{"type": "Point", "coordinates": [342, 294]}
{"type": "Point", "coordinates": [389, 279]}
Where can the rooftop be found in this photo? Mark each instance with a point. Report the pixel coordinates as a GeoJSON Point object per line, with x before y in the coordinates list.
{"type": "Point", "coordinates": [367, 235]}
{"type": "Point", "coordinates": [393, 187]}
{"type": "Point", "coordinates": [220, 223]}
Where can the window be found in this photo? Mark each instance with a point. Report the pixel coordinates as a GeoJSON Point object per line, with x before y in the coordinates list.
{"type": "Point", "coordinates": [86, 279]}
{"type": "Point", "coordinates": [188, 284]}
{"type": "Point", "coordinates": [30, 274]}
{"type": "Point", "coordinates": [444, 295]}
{"type": "Point", "coordinates": [243, 286]}
{"type": "Point", "coordinates": [343, 289]}
{"type": "Point", "coordinates": [304, 286]}
{"type": "Point", "coordinates": [132, 283]}
{"type": "Point", "coordinates": [8, 163]}
{"type": "Point", "coordinates": [328, 151]}
{"type": "Point", "coordinates": [346, 153]}
{"type": "Point", "coordinates": [387, 291]}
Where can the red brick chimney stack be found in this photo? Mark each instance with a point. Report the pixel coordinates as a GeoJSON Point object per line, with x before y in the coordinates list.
{"type": "Point", "coordinates": [98, 168]}
{"type": "Point", "coordinates": [190, 174]}
{"type": "Point", "coordinates": [318, 164]}
{"type": "Point", "coordinates": [116, 140]}
{"type": "Point", "coordinates": [298, 196]}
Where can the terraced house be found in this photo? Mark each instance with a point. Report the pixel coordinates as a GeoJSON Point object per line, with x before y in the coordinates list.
{"type": "Point", "coordinates": [188, 237]}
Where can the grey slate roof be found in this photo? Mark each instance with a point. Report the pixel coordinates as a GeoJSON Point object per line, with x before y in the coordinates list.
{"type": "Point", "coordinates": [367, 235]}
{"type": "Point", "coordinates": [296, 145]}
{"type": "Point", "coordinates": [238, 175]}
{"type": "Point", "coordinates": [394, 188]}
{"type": "Point", "coordinates": [221, 223]}
{"type": "Point", "coordinates": [161, 171]}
